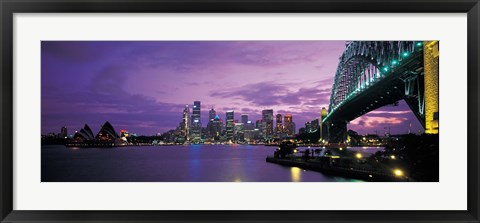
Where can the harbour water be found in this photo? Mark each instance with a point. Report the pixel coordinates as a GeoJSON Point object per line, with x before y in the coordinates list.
{"type": "Point", "coordinates": [192, 163]}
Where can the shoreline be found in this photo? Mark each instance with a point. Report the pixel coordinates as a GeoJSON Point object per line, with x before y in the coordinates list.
{"type": "Point", "coordinates": [365, 175]}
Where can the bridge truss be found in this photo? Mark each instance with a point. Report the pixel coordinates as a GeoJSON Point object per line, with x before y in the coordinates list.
{"type": "Point", "coordinates": [372, 74]}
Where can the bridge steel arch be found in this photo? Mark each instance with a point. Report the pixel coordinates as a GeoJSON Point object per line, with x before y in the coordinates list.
{"type": "Point", "coordinates": [372, 74]}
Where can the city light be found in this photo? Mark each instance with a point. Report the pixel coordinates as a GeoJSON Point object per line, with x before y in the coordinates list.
{"type": "Point", "coordinates": [398, 172]}
{"type": "Point", "coordinates": [358, 155]}
{"type": "Point", "coordinates": [392, 157]}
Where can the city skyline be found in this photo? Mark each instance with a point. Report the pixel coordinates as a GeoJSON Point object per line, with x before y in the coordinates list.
{"type": "Point", "coordinates": [144, 86]}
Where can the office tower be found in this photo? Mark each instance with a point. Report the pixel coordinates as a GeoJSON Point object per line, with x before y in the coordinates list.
{"type": "Point", "coordinates": [185, 128]}
{"type": "Point", "coordinates": [308, 127]}
{"type": "Point", "coordinates": [64, 132]}
{"type": "Point", "coordinates": [196, 127]}
{"type": "Point", "coordinates": [216, 127]}
{"type": "Point", "coordinates": [230, 125]}
{"type": "Point", "coordinates": [211, 117]}
{"type": "Point", "coordinates": [315, 125]}
{"type": "Point", "coordinates": [244, 119]}
{"type": "Point", "coordinates": [239, 132]}
{"type": "Point", "coordinates": [323, 126]}
{"type": "Point", "coordinates": [211, 114]}
{"type": "Point", "coordinates": [279, 127]}
{"type": "Point", "coordinates": [289, 125]}
{"type": "Point", "coordinates": [267, 119]}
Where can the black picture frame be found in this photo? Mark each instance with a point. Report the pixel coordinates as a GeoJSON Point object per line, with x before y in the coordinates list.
{"type": "Point", "coordinates": [9, 7]}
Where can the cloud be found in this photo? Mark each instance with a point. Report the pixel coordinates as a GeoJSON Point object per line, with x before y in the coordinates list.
{"type": "Point", "coordinates": [275, 94]}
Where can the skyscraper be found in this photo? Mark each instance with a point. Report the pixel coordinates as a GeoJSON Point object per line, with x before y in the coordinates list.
{"type": "Point", "coordinates": [244, 119]}
{"type": "Point", "coordinates": [267, 119]}
{"type": "Point", "coordinates": [186, 123]}
{"type": "Point", "coordinates": [63, 132]}
{"type": "Point", "coordinates": [211, 114]}
{"type": "Point", "coordinates": [239, 132]}
{"type": "Point", "coordinates": [211, 117]}
{"type": "Point", "coordinates": [279, 127]}
{"type": "Point", "coordinates": [230, 125]}
{"type": "Point", "coordinates": [289, 125]}
{"type": "Point", "coordinates": [196, 121]}
{"type": "Point", "coordinates": [216, 128]}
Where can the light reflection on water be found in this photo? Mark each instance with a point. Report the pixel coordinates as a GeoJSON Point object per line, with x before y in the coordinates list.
{"type": "Point", "coordinates": [197, 163]}
{"type": "Point", "coordinates": [296, 174]}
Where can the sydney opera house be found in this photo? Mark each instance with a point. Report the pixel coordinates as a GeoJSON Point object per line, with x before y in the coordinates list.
{"type": "Point", "coordinates": [105, 137]}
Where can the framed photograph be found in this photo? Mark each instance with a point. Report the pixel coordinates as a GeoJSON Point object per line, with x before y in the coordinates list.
{"type": "Point", "coordinates": [200, 111]}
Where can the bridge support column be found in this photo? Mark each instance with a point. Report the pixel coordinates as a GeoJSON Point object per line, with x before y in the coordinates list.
{"type": "Point", "coordinates": [337, 132]}
{"type": "Point", "coordinates": [431, 86]}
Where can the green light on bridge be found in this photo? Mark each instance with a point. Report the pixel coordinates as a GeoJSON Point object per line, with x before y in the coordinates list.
{"type": "Point", "coordinates": [405, 54]}
{"type": "Point", "coordinates": [419, 43]}
{"type": "Point", "coordinates": [385, 69]}
{"type": "Point", "coordinates": [394, 62]}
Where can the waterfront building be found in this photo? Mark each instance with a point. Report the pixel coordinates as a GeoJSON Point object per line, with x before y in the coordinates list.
{"type": "Point", "coordinates": [63, 132]}
{"type": "Point", "coordinates": [107, 133]}
{"type": "Point", "coordinates": [261, 128]}
{"type": "Point", "coordinates": [267, 119]}
{"type": "Point", "coordinates": [211, 114]}
{"type": "Point", "coordinates": [289, 125]}
{"type": "Point", "coordinates": [249, 125]}
{"type": "Point", "coordinates": [279, 126]}
{"type": "Point", "coordinates": [312, 126]}
{"type": "Point", "coordinates": [211, 117]}
{"type": "Point", "coordinates": [216, 128]}
{"type": "Point", "coordinates": [185, 124]}
{"type": "Point", "coordinates": [307, 129]}
{"type": "Point", "coordinates": [239, 132]}
{"type": "Point", "coordinates": [196, 125]}
{"type": "Point", "coordinates": [230, 125]}
{"type": "Point", "coordinates": [85, 134]}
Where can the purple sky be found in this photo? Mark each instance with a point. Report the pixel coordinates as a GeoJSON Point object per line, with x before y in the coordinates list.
{"type": "Point", "coordinates": [143, 86]}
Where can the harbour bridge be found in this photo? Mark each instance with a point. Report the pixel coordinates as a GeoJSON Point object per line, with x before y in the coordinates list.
{"type": "Point", "coordinates": [372, 74]}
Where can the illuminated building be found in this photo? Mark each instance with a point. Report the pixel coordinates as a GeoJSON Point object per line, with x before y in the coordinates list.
{"type": "Point", "coordinates": [211, 116]}
{"type": "Point", "coordinates": [123, 133]}
{"type": "Point", "coordinates": [431, 53]}
{"type": "Point", "coordinates": [267, 119]}
{"type": "Point", "coordinates": [279, 127]}
{"type": "Point", "coordinates": [261, 128]}
{"type": "Point", "coordinates": [230, 125]}
{"type": "Point", "coordinates": [289, 126]}
{"type": "Point", "coordinates": [239, 132]}
{"type": "Point", "coordinates": [308, 128]}
{"type": "Point", "coordinates": [314, 126]}
{"type": "Point", "coordinates": [107, 133]}
{"type": "Point", "coordinates": [185, 126]}
{"type": "Point", "coordinates": [216, 127]}
{"type": "Point", "coordinates": [196, 124]}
